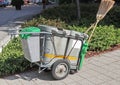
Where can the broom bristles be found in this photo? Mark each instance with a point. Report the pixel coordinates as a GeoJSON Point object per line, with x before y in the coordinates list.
{"type": "Point", "coordinates": [104, 7]}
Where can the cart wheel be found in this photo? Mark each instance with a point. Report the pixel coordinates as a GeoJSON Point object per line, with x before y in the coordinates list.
{"type": "Point", "coordinates": [60, 69]}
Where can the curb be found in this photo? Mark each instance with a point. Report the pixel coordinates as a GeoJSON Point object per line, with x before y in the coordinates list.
{"type": "Point", "coordinates": [7, 36]}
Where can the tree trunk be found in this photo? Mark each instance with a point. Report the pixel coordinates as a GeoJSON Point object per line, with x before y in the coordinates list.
{"type": "Point", "coordinates": [72, 1]}
{"type": "Point", "coordinates": [78, 9]}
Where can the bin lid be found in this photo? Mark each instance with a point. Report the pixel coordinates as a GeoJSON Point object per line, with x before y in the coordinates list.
{"type": "Point", "coordinates": [79, 34]}
{"type": "Point", "coordinates": [47, 28]}
{"type": "Point", "coordinates": [29, 29]}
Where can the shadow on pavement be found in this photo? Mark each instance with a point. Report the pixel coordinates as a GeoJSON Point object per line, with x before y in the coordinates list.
{"type": "Point", "coordinates": [33, 75]}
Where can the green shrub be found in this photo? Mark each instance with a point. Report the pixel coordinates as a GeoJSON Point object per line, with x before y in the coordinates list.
{"type": "Point", "coordinates": [68, 13]}
{"type": "Point", "coordinates": [11, 58]}
{"type": "Point", "coordinates": [65, 13]}
{"type": "Point", "coordinates": [65, 1]}
{"type": "Point", "coordinates": [117, 36]}
{"type": "Point", "coordinates": [113, 17]}
{"type": "Point", "coordinates": [40, 20]}
{"type": "Point", "coordinates": [103, 38]}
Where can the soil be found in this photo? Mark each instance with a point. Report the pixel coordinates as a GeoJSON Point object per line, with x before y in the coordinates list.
{"type": "Point", "coordinates": [94, 53]}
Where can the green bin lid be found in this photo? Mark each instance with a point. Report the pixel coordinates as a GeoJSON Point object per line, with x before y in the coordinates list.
{"type": "Point", "coordinates": [29, 29]}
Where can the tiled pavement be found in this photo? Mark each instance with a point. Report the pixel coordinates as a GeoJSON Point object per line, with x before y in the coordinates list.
{"type": "Point", "coordinates": [103, 69]}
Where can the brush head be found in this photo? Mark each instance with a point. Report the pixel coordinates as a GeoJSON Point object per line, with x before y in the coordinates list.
{"type": "Point", "coordinates": [104, 8]}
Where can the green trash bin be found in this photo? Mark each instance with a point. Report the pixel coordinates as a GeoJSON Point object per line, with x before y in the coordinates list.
{"type": "Point", "coordinates": [31, 44]}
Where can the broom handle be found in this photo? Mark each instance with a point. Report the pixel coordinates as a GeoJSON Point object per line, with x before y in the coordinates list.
{"type": "Point", "coordinates": [89, 28]}
{"type": "Point", "coordinates": [95, 25]}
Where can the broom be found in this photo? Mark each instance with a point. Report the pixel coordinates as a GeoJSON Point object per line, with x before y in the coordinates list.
{"type": "Point", "coordinates": [104, 8]}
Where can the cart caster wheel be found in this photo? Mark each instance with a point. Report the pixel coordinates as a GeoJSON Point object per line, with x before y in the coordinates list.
{"type": "Point", "coordinates": [60, 69]}
{"type": "Point", "coordinates": [73, 71]}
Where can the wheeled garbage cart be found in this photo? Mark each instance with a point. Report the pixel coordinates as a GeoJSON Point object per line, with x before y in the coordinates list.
{"type": "Point", "coordinates": [53, 49]}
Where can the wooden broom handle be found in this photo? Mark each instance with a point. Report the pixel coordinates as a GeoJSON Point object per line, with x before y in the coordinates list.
{"type": "Point", "coordinates": [89, 28]}
{"type": "Point", "coordinates": [95, 25]}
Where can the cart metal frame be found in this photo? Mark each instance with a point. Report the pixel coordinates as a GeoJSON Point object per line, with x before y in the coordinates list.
{"type": "Point", "coordinates": [42, 37]}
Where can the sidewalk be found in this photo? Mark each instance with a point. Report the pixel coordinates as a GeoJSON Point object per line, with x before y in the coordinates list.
{"type": "Point", "coordinates": [103, 69]}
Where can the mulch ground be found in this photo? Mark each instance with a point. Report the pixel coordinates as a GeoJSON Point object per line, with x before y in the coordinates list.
{"type": "Point", "coordinates": [93, 53]}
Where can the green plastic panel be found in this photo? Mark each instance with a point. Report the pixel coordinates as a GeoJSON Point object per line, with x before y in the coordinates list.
{"type": "Point", "coordinates": [29, 29]}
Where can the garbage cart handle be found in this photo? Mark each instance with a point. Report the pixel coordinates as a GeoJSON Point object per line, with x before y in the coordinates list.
{"type": "Point", "coordinates": [31, 33]}
{"type": "Point", "coordinates": [79, 36]}
{"type": "Point", "coordinates": [83, 35]}
{"type": "Point", "coordinates": [60, 33]}
{"type": "Point", "coordinates": [35, 33]}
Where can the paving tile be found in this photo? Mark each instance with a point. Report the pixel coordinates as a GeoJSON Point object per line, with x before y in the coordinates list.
{"type": "Point", "coordinates": [93, 72]}
{"type": "Point", "coordinates": [114, 57]}
{"type": "Point", "coordinates": [29, 75]}
{"type": "Point", "coordinates": [84, 68]}
{"type": "Point", "coordinates": [14, 77]}
{"type": "Point", "coordinates": [109, 57]}
{"type": "Point", "coordinates": [104, 78]}
{"type": "Point", "coordinates": [114, 65]}
{"type": "Point", "coordinates": [85, 63]}
{"type": "Point", "coordinates": [73, 83]}
{"type": "Point", "coordinates": [55, 82]}
{"type": "Point", "coordinates": [67, 80]}
{"type": "Point", "coordinates": [104, 61]}
{"type": "Point", "coordinates": [113, 82]}
{"type": "Point", "coordinates": [114, 53]}
{"type": "Point", "coordinates": [118, 79]}
{"type": "Point", "coordinates": [89, 74]}
{"type": "Point", "coordinates": [14, 82]}
{"type": "Point", "coordinates": [112, 75]}
{"type": "Point", "coordinates": [76, 77]}
{"type": "Point", "coordinates": [99, 70]}
{"type": "Point", "coordinates": [95, 80]}
{"type": "Point", "coordinates": [108, 68]}
{"type": "Point", "coordinates": [117, 71]}
{"type": "Point", "coordinates": [42, 83]}
{"type": "Point", "coordinates": [97, 63]}
{"type": "Point", "coordinates": [117, 62]}
{"type": "Point", "coordinates": [91, 66]}
{"type": "Point", "coordinates": [85, 82]}
{"type": "Point", "coordinates": [85, 75]}
{"type": "Point", "coordinates": [37, 82]}
{"type": "Point", "coordinates": [3, 82]}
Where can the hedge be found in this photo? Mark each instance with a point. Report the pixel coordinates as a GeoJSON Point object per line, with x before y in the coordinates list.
{"type": "Point", "coordinates": [68, 13]}
{"type": "Point", "coordinates": [11, 58]}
